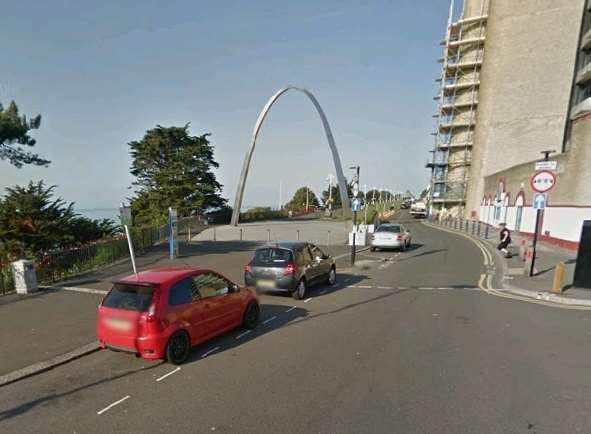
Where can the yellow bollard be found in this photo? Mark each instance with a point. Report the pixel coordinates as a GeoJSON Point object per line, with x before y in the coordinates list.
{"type": "Point", "coordinates": [558, 278]}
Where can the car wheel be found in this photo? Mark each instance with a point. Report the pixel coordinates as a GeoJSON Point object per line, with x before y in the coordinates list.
{"type": "Point", "coordinates": [372, 249]}
{"type": "Point", "coordinates": [178, 348]}
{"type": "Point", "coordinates": [251, 315]}
{"type": "Point", "coordinates": [300, 291]}
{"type": "Point", "coordinates": [332, 276]}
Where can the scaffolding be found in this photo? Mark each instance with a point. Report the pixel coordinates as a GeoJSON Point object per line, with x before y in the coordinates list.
{"type": "Point", "coordinates": [463, 54]}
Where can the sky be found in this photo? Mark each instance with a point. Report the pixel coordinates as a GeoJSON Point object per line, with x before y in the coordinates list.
{"type": "Point", "coordinates": [102, 73]}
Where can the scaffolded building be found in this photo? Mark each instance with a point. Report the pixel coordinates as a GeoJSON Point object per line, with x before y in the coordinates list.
{"type": "Point", "coordinates": [463, 53]}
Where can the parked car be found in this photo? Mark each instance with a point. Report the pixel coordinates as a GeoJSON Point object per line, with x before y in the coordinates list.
{"type": "Point", "coordinates": [161, 313]}
{"type": "Point", "coordinates": [292, 266]}
{"type": "Point", "coordinates": [418, 210]}
{"type": "Point", "coordinates": [390, 236]}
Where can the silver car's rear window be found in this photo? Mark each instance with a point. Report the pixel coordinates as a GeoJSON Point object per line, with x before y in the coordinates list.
{"type": "Point", "coordinates": [388, 228]}
{"type": "Point", "coordinates": [272, 257]}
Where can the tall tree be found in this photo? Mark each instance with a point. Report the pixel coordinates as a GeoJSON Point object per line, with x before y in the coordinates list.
{"type": "Point", "coordinates": [14, 137]}
{"type": "Point", "coordinates": [173, 169]}
{"type": "Point", "coordinates": [298, 200]}
{"type": "Point", "coordinates": [336, 195]}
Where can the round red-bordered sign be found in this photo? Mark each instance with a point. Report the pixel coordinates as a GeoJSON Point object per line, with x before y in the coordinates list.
{"type": "Point", "coordinates": [542, 181]}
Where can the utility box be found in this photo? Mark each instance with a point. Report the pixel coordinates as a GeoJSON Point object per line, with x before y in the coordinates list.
{"type": "Point", "coordinates": [360, 238]}
{"type": "Point", "coordinates": [25, 277]}
{"type": "Point", "coordinates": [583, 267]}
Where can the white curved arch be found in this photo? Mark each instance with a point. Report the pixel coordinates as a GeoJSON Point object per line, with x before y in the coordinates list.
{"type": "Point", "coordinates": [331, 143]}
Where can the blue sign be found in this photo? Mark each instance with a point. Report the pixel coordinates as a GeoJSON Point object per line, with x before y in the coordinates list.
{"type": "Point", "coordinates": [173, 232]}
{"type": "Point", "coordinates": [540, 200]}
{"type": "Point", "coordinates": [356, 204]}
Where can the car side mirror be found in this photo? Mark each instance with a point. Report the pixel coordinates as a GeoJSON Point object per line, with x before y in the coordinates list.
{"type": "Point", "coordinates": [235, 288]}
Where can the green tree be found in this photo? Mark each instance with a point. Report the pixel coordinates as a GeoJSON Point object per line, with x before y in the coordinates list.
{"type": "Point", "coordinates": [32, 220]}
{"type": "Point", "coordinates": [373, 195]}
{"type": "Point", "coordinates": [298, 200]}
{"type": "Point", "coordinates": [14, 137]}
{"type": "Point", "coordinates": [173, 169]}
{"type": "Point", "coordinates": [336, 195]}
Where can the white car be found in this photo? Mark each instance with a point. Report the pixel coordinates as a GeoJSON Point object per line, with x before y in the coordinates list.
{"type": "Point", "coordinates": [390, 236]}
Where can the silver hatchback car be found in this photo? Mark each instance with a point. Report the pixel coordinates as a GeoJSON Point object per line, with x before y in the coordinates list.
{"type": "Point", "coordinates": [390, 236]}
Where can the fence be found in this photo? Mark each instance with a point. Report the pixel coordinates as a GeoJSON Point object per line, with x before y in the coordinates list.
{"type": "Point", "coordinates": [473, 227]}
{"type": "Point", "coordinates": [59, 264]}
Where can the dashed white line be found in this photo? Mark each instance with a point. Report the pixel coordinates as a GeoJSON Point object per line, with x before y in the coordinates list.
{"type": "Point", "coordinates": [268, 320]}
{"type": "Point", "coordinates": [207, 353]}
{"type": "Point", "coordinates": [243, 334]}
{"type": "Point", "coordinates": [425, 288]}
{"type": "Point", "coordinates": [290, 309]}
{"type": "Point", "coordinates": [110, 406]}
{"type": "Point", "coordinates": [166, 375]}
{"type": "Point", "coordinates": [403, 287]}
{"type": "Point", "coordinates": [307, 300]}
{"type": "Point", "coordinates": [445, 288]}
{"type": "Point", "coordinates": [364, 286]}
{"type": "Point", "coordinates": [385, 287]}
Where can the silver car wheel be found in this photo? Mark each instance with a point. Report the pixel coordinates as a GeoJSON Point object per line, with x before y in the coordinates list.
{"type": "Point", "coordinates": [332, 277]}
{"type": "Point", "coordinates": [302, 289]}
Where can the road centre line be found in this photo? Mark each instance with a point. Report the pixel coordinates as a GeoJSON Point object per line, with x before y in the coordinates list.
{"type": "Point", "coordinates": [385, 287]}
{"type": "Point", "coordinates": [307, 300]}
{"type": "Point", "coordinates": [166, 375]}
{"type": "Point", "coordinates": [290, 309]}
{"type": "Point", "coordinates": [364, 286]}
{"type": "Point", "coordinates": [110, 406]}
{"type": "Point", "coordinates": [243, 334]}
{"type": "Point", "coordinates": [425, 288]}
{"type": "Point", "coordinates": [268, 320]}
{"type": "Point", "coordinates": [207, 353]}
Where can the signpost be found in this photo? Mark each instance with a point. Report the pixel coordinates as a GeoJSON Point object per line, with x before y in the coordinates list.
{"type": "Point", "coordinates": [173, 228]}
{"type": "Point", "coordinates": [546, 165]}
{"type": "Point", "coordinates": [356, 206]}
{"type": "Point", "coordinates": [542, 181]}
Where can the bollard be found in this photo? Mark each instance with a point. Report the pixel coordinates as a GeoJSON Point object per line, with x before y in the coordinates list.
{"type": "Point", "coordinates": [478, 230]}
{"type": "Point", "coordinates": [486, 232]}
{"type": "Point", "coordinates": [473, 228]}
{"type": "Point", "coordinates": [240, 234]}
{"type": "Point", "coordinates": [214, 234]}
{"type": "Point", "coordinates": [529, 256]}
{"type": "Point", "coordinates": [328, 239]}
{"type": "Point", "coordinates": [298, 234]}
{"type": "Point", "coordinates": [522, 249]}
{"type": "Point", "coordinates": [269, 235]}
{"type": "Point", "coordinates": [455, 223]}
{"type": "Point", "coordinates": [189, 235]}
{"type": "Point", "coordinates": [558, 278]}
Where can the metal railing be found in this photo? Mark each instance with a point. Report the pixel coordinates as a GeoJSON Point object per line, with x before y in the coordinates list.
{"type": "Point", "coordinates": [476, 228]}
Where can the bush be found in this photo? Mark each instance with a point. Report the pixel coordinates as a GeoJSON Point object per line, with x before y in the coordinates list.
{"type": "Point", "coordinates": [262, 213]}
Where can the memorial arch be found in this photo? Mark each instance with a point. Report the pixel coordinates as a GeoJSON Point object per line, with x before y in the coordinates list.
{"type": "Point", "coordinates": [331, 144]}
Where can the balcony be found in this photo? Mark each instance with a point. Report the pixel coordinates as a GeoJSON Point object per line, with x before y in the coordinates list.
{"type": "Point", "coordinates": [446, 105]}
{"type": "Point", "coordinates": [470, 20]}
{"type": "Point", "coordinates": [467, 41]}
{"type": "Point", "coordinates": [464, 62]}
{"type": "Point", "coordinates": [447, 122]}
{"type": "Point", "coordinates": [461, 85]}
{"type": "Point", "coordinates": [584, 74]}
{"type": "Point", "coordinates": [581, 109]}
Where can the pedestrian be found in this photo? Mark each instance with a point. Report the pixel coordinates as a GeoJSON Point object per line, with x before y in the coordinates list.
{"type": "Point", "coordinates": [505, 237]}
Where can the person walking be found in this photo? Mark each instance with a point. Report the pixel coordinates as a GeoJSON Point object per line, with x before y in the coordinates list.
{"type": "Point", "coordinates": [505, 238]}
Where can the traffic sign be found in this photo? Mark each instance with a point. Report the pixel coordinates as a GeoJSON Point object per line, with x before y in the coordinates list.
{"type": "Point", "coordinates": [543, 181]}
{"type": "Point", "coordinates": [355, 189]}
{"type": "Point", "coordinates": [540, 200]}
{"type": "Point", "coordinates": [356, 204]}
{"type": "Point", "coordinates": [546, 165]}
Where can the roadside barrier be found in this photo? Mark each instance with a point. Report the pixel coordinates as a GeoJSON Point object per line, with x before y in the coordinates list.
{"type": "Point", "coordinates": [475, 228]}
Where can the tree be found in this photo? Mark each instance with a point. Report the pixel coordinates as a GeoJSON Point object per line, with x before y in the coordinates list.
{"type": "Point", "coordinates": [32, 220]}
{"type": "Point", "coordinates": [373, 195]}
{"type": "Point", "coordinates": [173, 169]}
{"type": "Point", "coordinates": [336, 195]}
{"type": "Point", "coordinates": [298, 200]}
{"type": "Point", "coordinates": [14, 135]}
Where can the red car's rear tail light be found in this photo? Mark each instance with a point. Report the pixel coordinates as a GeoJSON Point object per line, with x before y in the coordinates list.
{"type": "Point", "coordinates": [151, 321]}
{"type": "Point", "coordinates": [399, 237]}
{"type": "Point", "coordinates": [289, 269]}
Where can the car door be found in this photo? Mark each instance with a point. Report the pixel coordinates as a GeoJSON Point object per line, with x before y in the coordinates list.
{"type": "Point", "coordinates": [214, 291]}
{"type": "Point", "coordinates": [232, 300]}
{"type": "Point", "coordinates": [314, 266]}
{"type": "Point", "coordinates": [321, 262]}
{"type": "Point", "coordinates": [185, 308]}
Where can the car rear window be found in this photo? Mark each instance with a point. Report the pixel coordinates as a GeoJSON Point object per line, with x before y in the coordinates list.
{"type": "Point", "coordinates": [129, 297]}
{"type": "Point", "coordinates": [388, 228]}
{"type": "Point", "coordinates": [272, 257]}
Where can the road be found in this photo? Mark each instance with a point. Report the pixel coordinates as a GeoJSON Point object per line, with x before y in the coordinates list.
{"type": "Point", "coordinates": [405, 343]}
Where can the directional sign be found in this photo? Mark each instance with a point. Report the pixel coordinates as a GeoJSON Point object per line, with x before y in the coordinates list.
{"type": "Point", "coordinates": [355, 189]}
{"type": "Point", "coordinates": [356, 204]}
{"type": "Point", "coordinates": [540, 200]}
{"type": "Point", "coordinates": [543, 181]}
{"type": "Point", "coordinates": [546, 165]}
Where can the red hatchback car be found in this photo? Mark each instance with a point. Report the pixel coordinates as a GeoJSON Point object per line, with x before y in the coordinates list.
{"type": "Point", "coordinates": [161, 313]}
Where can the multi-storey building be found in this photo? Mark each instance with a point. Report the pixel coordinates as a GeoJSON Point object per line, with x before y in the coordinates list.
{"type": "Point", "coordinates": [527, 91]}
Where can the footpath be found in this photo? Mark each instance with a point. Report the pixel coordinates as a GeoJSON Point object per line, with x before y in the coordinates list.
{"type": "Point", "coordinates": [539, 286]}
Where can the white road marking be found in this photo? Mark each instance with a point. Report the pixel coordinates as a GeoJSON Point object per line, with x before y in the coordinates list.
{"type": "Point", "coordinates": [110, 406]}
{"type": "Point", "coordinates": [445, 288]}
{"type": "Point", "coordinates": [243, 334]}
{"type": "Point", "coordinates": [385, 287]}
{"type": "Point", "coordinates": [269, 319]}
{"type": "Point", "coordinates": [403, 287]}
{"type": "Point", "coordinates": [307, 300]}
{"type": "Point", "coordinates": [424, 288]}
{"type": "Point", "coordinates": [364, 286]}
{"type": "Point", "coordinates": [207, 353]}
{"type": "Point", "coordinates": [290, 309]}
{"type": "Point", "coordinates": [166, 375]}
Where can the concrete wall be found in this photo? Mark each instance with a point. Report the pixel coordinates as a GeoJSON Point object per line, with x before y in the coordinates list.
{"type": "Point", "coordinates": [525, 86]}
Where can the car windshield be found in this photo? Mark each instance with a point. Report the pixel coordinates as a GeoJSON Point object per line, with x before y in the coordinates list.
{"type": "Point", "coordinates": [389, 228]}
{"type": "Point", "coordinates": [272, 257]}
{"type": "Point", "coordinates": [129, 297]}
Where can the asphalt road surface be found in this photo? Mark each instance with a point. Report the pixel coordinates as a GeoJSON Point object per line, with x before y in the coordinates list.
{"type": "Point", "coordinates": [404, 343]}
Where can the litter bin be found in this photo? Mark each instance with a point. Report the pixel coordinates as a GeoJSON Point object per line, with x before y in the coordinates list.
{"type": "Point", "coordinates": [583, 267]}
{"type": "Point", "coordinates": [25, 277]}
